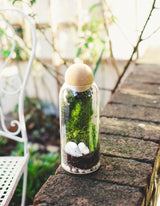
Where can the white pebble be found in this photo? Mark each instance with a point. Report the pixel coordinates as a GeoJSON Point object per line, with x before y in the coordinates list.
{"type": "Point", "coordinates": [72, 149]}
{"type": "Point", "coordinates": [83, 148]}
{"type": "Point", "coordinates": [155, 101]}
{"type": "Point", "coordinates": [141, 125]}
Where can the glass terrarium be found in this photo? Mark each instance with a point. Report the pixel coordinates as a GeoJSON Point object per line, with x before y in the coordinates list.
{"type": "Point", "coordinates": [79, 121]}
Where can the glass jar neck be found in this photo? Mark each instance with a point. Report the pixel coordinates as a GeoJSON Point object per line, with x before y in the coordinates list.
{"type": "Point", "coordinates": [79, 88]}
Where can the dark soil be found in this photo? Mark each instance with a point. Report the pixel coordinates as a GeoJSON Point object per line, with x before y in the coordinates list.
{"type": "Point", "coordinates": [82, 162]}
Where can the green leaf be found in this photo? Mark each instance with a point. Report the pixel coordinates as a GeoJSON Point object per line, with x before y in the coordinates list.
{"type": "Point", "coordinates": [114, 18]}
{"type": "Point", "coordinates": [98, 62]}
{"type": "Point", "coordinates": [15, 1]}
{"type": "Point", "coordinates": [92, 8]}
{"type": "Point", "coordinates": [90, 39]}
{"type": "Point", "coordinates": [2, 32]}
{"type": "Point", "coordinates": [17, 51]}
{"type": "Point", "coordinates": [86, 45]}
{"type": "Point", "coordinates": [36, 134]}
{"type": "Point", "coordinates": [19, 31]}
{"type": "Point", "coordinates": [102, 41]}
{"type": "Point", "coordinates": [5, 53]}
{"type": "Point", "coordinates": [79, 52]}
{"type": "Point", "coordinates": [84, 27]}
{"type": "Point", "coordinates": [32, 2]}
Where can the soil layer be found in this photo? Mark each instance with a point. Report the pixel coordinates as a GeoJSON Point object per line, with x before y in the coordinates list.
{"type": "Point", "coordinates": [82, 162]}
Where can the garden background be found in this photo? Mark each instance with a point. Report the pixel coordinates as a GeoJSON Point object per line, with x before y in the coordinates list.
{"type": "Point", "coordinates": [100, 33]}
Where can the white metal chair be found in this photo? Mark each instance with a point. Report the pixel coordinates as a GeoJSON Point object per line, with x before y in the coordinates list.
{"type": "Point", "coordinates": [12, 168]}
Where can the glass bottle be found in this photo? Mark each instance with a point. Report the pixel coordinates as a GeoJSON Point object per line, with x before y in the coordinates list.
{"type": "Point", "coordinates": [79, 121]}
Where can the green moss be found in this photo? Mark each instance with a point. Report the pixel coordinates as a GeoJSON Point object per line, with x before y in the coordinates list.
{"type": "Point", "coordinates": [77, 115]}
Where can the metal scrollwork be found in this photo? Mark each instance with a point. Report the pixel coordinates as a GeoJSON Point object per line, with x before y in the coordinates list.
{"type": "Point", "coordinates": [10, 85]}
{"type": "Point", "coordinates": [14, 123]}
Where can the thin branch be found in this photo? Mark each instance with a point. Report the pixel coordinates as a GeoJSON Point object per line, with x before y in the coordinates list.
{"type": "Point", "coordinates": [155, 31]}
{"type": "Point", "coordinates": [119, 27]}
{"type": "Point", "coordinates": [135, 48]}
{"type": "Point", "coordinates": [26, 51]}
{"type": "Point", "coordinates": [39, 61]}
{"type": "Point", "coordinates": [53, 46]}
{"type": "Point", "coordinates": [49, 71]}
{"type": "Point", "coordinates": [103, 5]}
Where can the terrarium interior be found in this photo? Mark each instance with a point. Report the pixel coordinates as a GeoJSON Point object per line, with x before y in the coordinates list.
{"type": "Point", "coordinates": [79, 121]}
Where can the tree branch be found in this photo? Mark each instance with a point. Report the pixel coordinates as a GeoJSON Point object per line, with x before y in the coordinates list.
{"type": "Point", "coordinates": [65, 62]}
{"type": "Point", "coordinates": [156, 30]}
{"type": "Point", "coordinates": [103, 5]}
{"type": "Point", "coordinates": [135, 48]}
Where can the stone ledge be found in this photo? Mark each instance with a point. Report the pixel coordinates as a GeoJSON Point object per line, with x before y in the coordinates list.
{"type": "Point", "coordinates": [144, 88]}
{"type": "Point", "coordinates": [126, 172]}
{"type": "Point", "coordinates": [144, 77]}
{"type": "Point", "coordinates": [130, 155]}
{"type": "Point", "coordinates": [128, 147]}
{"type": "Point", "coordinates": [136, 129]}
{"type": "Point", "coordinates": [135, 98]}
{"type": "Point", "coordinates": [71, 190]}
{"type": "Point", "coordinates": [144, 68]}
{"type": "Point", "coordinates": [131, 112]}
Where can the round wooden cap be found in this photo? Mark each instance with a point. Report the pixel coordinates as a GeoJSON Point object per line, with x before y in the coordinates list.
{"type": "Point", "coordinates": [79, 75]}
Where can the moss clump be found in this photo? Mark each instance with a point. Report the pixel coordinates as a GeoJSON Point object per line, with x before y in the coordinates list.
{"type": "Point", "coordinates": [77, 114]}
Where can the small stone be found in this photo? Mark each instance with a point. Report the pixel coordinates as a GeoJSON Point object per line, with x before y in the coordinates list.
{"type": "Point", "coordinates": [83, 148]}
{"type": "Point", "coordinates": [141, 125]}
{"type": "Point", "coordinates": [155, 102]}
{"type": "Point", "coordinates": [73, 149]}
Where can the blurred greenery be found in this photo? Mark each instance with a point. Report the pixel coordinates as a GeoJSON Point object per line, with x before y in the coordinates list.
{"type": "Point", "coordinates": [31, 1]}
{"type": "Point", "coordinates": [40, 124]}
{"type": "Point", "coordinates": [2, 32]}
{"type": "Point", "coordinates": [40, 167]}
{"type": "Point", "coordinates": [3, 142]}
{"type": "Point", "coordinates": [91, 46]}
{"type": "Point", "coordinates": [41, 121]}
{"type": "Point", "coordinates": [92, 40]}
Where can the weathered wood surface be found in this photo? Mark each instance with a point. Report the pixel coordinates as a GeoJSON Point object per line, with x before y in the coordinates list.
{"type": "Point", "coordinates": [130, 157]}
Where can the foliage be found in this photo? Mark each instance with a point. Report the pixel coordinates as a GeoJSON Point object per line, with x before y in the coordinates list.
{"type": "Point", "coordinates": [40, 121]}
{"type": "Point", "coordinates": [31, 1]}
{"type": "Point", "coordinates": [20, 53]}
{"type": "Point", "coordinates": [98, 63]}
{"type": "Point", "coordinates": [91, 44]}
{"type": "Point", "coordinates": [3, 142]}
{"type": "Point", "coordinates": [77, 115]}
{"type": "Point", "coordinates": [92, 40]}
{"type": "Point", "coordinates": [40, 167]}
{"type": "Point", "coordinates": [41, 164]}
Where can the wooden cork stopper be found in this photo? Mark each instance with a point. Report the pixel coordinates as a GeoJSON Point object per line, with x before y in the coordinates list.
{"type": "Point", "coordinates": [80, 76]}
